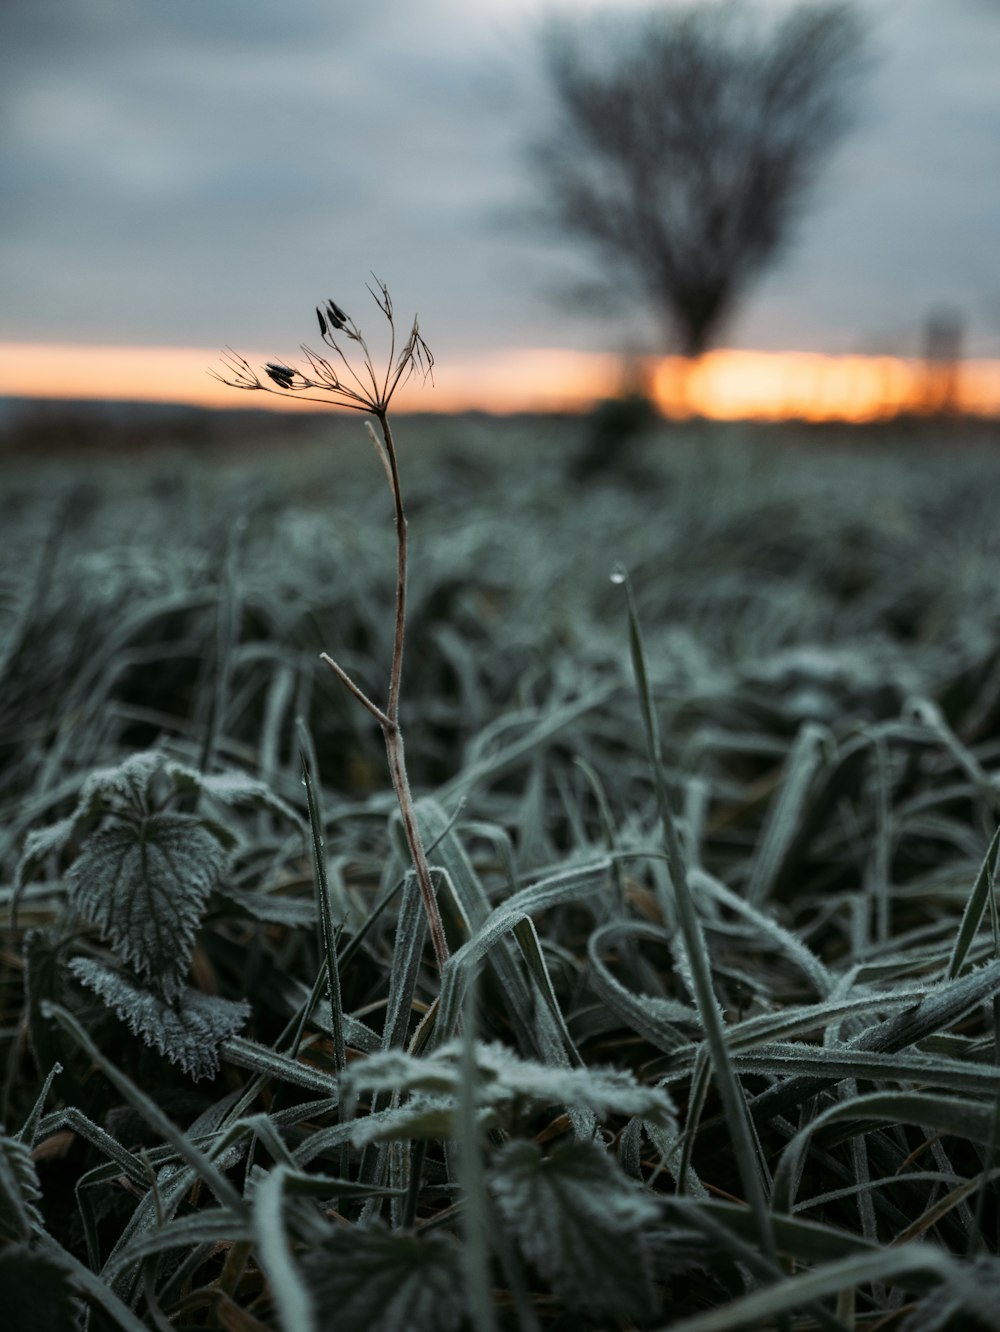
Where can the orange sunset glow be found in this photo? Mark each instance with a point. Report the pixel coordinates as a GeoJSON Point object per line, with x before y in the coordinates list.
{"type": "Point", "coordinates": [724, 385]}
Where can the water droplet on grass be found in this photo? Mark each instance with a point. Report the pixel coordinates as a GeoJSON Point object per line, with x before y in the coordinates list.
{"type": "Point", "coordinates": [619, 574]}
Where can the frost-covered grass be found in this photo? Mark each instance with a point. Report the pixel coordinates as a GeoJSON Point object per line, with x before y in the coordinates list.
{"type": "Point", "coordinates": [717, 1043]}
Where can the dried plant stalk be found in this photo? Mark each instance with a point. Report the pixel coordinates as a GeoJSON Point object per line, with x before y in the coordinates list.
{"type": "Point", "coordinates": [362, 389]}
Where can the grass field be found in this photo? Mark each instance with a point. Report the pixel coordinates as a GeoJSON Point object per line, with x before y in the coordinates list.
{"type": "Point", "coordinates": [718, 1044]}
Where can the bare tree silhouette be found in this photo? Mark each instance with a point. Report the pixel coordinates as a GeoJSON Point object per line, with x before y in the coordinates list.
{"type": "Point", "coordinates": [685, 143]}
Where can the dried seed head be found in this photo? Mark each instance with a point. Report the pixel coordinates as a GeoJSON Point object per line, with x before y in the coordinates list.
{"type": "Point", "coordinates": [282, 375]}
{"type": "Point", "coordinates": [361, 388]}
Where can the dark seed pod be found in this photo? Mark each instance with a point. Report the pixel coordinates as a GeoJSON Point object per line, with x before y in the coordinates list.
{"type": "Point", "coordinates": [282, 375]}
{"type": "Point", "coordinates": [322, 322]}
{"type": "Point", "coordinates": [335, 314]}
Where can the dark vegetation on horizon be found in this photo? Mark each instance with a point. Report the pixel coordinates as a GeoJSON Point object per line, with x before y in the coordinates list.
{"type": "Point", "coordinates": [255, 1126]}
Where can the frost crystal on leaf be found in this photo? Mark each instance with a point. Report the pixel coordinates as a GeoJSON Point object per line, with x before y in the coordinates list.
{"type": "Point", "coordinates": [384, 1281]}
{"type": "Point", "coordinates": [578, 1218]}
{"type": "Point", "coordinates": [145, 885]}
{"type": "Point", "coordinates": [188, 1031]}
{"type": "Point", "coordinates": [20, 1192]}
{"type": "Point", "coordinates": [503, 1077]}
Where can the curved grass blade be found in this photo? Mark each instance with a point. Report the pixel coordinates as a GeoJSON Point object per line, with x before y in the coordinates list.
{"type": "Point", "coordinates": [984, 885]}
{"type": "Point", "coordinates": [785, 815]}
{"type": "Point", "coordinates": [202, 1165]}
{"type": "Point", "coordinates": [751, 1168]}
{"type": "Point", "coordinates": [555, 890]}
{"type": "Point", "coordinates": [288, 1290]}
{"type": "Point", "coordinates": [783, 940]}
{"type": "Point", "coordinates": [271, 1064]}
{"type": "Point", "coordinates": [534, 1026]}
{"type": "Point", "coordinates": [472, 1177]}
{"type": "Point", "coordinates": [963, 1119]}
{"type": "Point", "coordinates": [99, 1292]}
{"type": "Point", "coordinates": [659, 1021]}
{"type": "Point", "coordinates": [944, 1005]}
{"type": "Point", "coordinates": [329, 928]}
{"type": "Point", "coordinates": [758, 1309]}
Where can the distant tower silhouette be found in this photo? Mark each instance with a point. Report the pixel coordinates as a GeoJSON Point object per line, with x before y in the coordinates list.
{"type": "Point", "coordinates": [943, 336]}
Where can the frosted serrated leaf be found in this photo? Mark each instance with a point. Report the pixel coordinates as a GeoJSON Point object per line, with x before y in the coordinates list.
{"type": "Point", "coordinates": [39, 844]}
{"type": "Point", "coordinates": [188, 1031]}
{"type": "Point", "coordinates": [603, 1090]}
{"type": "Point", "coordinates": [125, 786]}
{"type": "Point", "coordinates": [504, 1077]}
{"type": "Point", "coordinates": [36, 1291]}
{"type": "Point", "coordinates": [578, 1218]}
{"type": "Point", "coordinates": [20, 1192]}
{"type": "Point", "coordinates": [422, 1117]}
{"type": "Point", "coordinates": [386, 1281]}
{"type": "Point", "coordinates": [122, 788]}
{"type": "Point", "coordinates": [145, 887]}
{"type": "Point", "coordinates": [232, 788]}
{"type": "Point", "coordinates": [394, 1070]}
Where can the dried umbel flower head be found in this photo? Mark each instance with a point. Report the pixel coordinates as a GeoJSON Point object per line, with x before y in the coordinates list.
{"type": "Point", "coordinates": [332, 317]}
{"type": "Point", "coordinates": [362, 389]}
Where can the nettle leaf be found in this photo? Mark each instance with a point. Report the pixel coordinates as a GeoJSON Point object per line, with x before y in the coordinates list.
{"type": "Point", "coordinates": [429, 1118]}
{"type": "Point", "coordinates": [39, 845]}
{"type": "Point", "coordinates": [232, 788]}
{"type": "Point", "coordinates": [578, 1219]}
{"type": "Point", "coordinates": [126, 786]}
{"type": "Point", "coordinates": [386, 1280]}
{"type": "Point", "coordinates": [188, 1030]}
{"type": "Point", "coordinates": [123, 789]}
{"type": "Point", "coordinates": [505, 1079]}
{"type": "Point", "coordinates": [128, 789]}
{"type": "Point", "coordinates": [35, 1291]}
{"type": "Point", "coordinates": [504, 1076]}
{"type": "Point", "coordinates": [20, 1192]}
{"type": "Point", "coordinates": [145, 886]}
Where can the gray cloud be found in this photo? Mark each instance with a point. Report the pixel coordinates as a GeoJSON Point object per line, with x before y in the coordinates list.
{"type": "Point", "coordinates": [195, 173]}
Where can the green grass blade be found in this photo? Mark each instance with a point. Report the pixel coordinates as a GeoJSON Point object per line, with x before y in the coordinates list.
{"type": "Point", "coordinates": [758, 1309]}
{"type": "Point", "coordinates": [288, 1290]}
{"type": "Point", "coordinates": [737, 1117]}
{"type": "Point", "coordinates": [984, 885]}
{"type": "Point", "coordinates": [98, 1293]}
{"type": "Point", "coordinates": [227, 634]}
{"type": "Point", "coordinates": [329, 928]}
{"type": "Point", "coordinates": [270, 1064]}
{"type": "Point", "coordinates": [471, 1176]}
{"type": "Point", "coordinates": [202, 1165]}
{"type": "Point", "coordinates": [785, 814]}
{"type": "Point", "coordinates": [571, 885]}
{"type": "Point", "coordinates": [964, 1119]}
{"type": "Point", "coordinates": [666, 1023]}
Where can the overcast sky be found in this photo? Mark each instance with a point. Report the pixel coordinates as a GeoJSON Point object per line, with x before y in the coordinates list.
{"type": "Point", "coordinates": [200, 172]}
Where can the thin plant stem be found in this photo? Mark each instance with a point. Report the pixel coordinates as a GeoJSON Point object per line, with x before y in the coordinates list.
{"type": "Point", "coordinates": [359, 694]}
{"type": "Point", "coordinates": [390, 726]}
{"type": "Point", "coordinates": [389, 719]}
{"type": "Point", "coordinates": [401, 786]}
{"type": "Point", "coordinates": [285, 380]}
{"type": "Point", "coordinates": [399, 633]}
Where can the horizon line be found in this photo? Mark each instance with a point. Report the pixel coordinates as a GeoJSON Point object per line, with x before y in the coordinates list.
{"type": "Point", "coordinates": [724, 384]}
